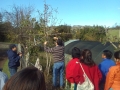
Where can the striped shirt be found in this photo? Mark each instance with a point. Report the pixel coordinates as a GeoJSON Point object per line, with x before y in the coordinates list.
{"type": "Point", "coordinates": [58, 52]}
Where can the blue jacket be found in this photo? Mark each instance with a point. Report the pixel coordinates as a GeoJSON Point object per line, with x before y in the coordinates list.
{"type": "Point", "coordinates": [104, 67]}
{"type": "Point", "coordinates": [13, 59]}
{"type": "Point", "coordinates": [3, 80]}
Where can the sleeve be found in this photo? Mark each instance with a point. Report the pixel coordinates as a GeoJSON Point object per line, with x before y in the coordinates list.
{"type": "Point", "coordinates": [78, 77]}
{"type": "Point", "coordinates": [102, 69]}
{"type": "Point", "coordinates": [109, 78]}
{"type": "Point", "coordinates": [99, 74]}
{"type": "Point", "coordinates": [16, 57]}
{"type": "Point", "coordinates": [3, 80]}
{"type": "Point", "coordinates": [49, 50]}
{"type": "Point", "coordinates": [69, 72]}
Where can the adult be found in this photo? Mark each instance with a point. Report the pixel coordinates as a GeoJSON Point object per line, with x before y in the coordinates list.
{"type": "Point", "coordinates": [14, 58]}
{"type": "Point", "coordinates": [58, 56]}
{"type": "Point", "coordinates": [29, 78]}
{"type": "Point", "coordinates": [113, 76]}
{"type": "Point", "coordinates": [105, 65]}
{"type": "Point", "coordinates": [74, 71]}
{"type": "Point", "coordinates": [3, 78]}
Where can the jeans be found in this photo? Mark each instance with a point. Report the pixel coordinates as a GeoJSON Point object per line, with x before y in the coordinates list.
{"type": "Point", "coordinates": [12, 70]}
{"type": "Point", "coordinates": [58, 70]}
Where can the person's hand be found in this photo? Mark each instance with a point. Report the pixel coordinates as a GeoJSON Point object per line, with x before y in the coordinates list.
{"type": "Point", "coordinates": [45, 42]}
{"type": "Point", "coordinates": [20, 54]}
{"type": "Point", "coordinates": [55, 38]}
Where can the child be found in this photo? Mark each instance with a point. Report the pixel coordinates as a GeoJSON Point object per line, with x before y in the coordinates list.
{"type": "Point", "coordinates": [113, 76]}
{"type": "Point", "coordinates": [105, 65]}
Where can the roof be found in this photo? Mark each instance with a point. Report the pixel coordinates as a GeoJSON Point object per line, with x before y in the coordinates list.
{"type": "Point", "coordinates": [96, 48]}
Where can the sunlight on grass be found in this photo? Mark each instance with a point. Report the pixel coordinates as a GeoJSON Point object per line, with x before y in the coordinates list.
{"type": "Point", "coordinates": [6, 69]}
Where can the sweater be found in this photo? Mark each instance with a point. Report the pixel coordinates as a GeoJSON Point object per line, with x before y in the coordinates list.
{"type": "Point", "coordinates": [74, 73]}
{"type": "Point", "coordinates": [57, 52]}
{"type": "Point", "coordinates": [113, 78]}
{"type": "Point", "coordinates": [104, 67]}
{"type": "Point", "coordinates": [13, 59]}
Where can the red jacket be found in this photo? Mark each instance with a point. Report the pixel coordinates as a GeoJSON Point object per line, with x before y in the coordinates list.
{"type": "Point", "coordinates": [74, 73]}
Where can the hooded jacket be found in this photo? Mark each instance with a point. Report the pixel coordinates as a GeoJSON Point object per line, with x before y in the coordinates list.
{"type": "Point", "coordinates": [13, 59]}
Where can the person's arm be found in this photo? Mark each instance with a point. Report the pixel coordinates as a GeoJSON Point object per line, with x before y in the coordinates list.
{"type": "Point", "coordinates": [16, 57]}
{"type": "Point", "coordinates": [47, 49]}
{"type": "Point", "coordinates": [3, 80]}
{"type": "Point", "coordinates": [102, 69]}
{"type": "Point", "coordinates": [109, 78]}
{"type": "Point", "coordinates": [99, 74]}
{"type": "Point", "coordinates": [78, 73]}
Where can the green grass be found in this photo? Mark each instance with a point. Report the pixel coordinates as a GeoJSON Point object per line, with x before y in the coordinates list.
{"type": "Point", "coordinates": [6, 69]}
{"type": "Point", "coordinates": [114, 32]}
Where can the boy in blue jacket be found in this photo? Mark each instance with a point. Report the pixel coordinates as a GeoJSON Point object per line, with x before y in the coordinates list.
{"type": "Point", "coordinates": [105, 65]}
{"type": "Point", "coordinates": [14, 58]}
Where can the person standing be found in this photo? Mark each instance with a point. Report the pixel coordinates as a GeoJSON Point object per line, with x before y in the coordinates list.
{"type": "Point", "coordinates": [58, 56]}
{"type": "Point", "coordinates": [14, 58]}
{"type": "Point", "coordinates": [74, 72]}
{"type": "Point", "coordinates": [105, 65]}
{"type": "Point", "coordinates": [3, 77]}
{"type": "Point", "coordinates": [113, 76]}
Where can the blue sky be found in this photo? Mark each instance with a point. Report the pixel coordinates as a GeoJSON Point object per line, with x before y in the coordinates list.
{"type": "Point", "coordinates": [76, 12]}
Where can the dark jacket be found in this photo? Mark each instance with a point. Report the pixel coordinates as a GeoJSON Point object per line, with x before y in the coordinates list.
{"type": "Point", "coordinates": [13, 59]}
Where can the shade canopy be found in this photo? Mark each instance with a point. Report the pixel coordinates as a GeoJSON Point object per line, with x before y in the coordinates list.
{"type": "Point", "coordinates": [96, 48]}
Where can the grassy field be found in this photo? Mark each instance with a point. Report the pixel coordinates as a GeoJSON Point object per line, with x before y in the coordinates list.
{"type": "Point", "coordinates": [6, 69]}
{"type": "Point", "coordinates": [114, 32]}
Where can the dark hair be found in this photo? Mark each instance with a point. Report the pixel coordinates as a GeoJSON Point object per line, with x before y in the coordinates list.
{"type": "Point", "coordinates": [87, 57]}
{"type": "Point", "coordinates": [117, 54]}
{"type": "Point", "coordinates": [76, 52]}
{"type": "Point", "coordinates": [60, 42]}
{"type": "Point", "coordinates": [108, 54]}
{"type": "Point", "coordinates": [12, 46]}
{"type": "Point", "coordinates": [27, 79]}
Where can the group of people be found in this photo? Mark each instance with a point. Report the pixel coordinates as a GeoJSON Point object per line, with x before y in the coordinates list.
{"type": "Point", "coordinates": [105, 76]}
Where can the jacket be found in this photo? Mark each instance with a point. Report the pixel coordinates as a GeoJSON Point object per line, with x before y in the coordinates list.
{"type": "Point", "coordinates": [57, 52]}
{"type": "Point", "coordinates": [113, 78]}
{"type": "Point", "coordinates": [104, 67]}
{"type": "Point", "coordinates": [3, 80]}
{"type": "Point", "coordinates": [13, 59]}
{"type": "Point", "coordinates": [74, 73]}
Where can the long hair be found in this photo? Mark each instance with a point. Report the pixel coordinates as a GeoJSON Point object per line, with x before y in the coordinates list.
{"type": "Point", "coordinates": [87, 57]}
{"type": "Point", "coordinates": [27, 79]}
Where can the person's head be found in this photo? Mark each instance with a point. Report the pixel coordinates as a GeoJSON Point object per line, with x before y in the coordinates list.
{"type": "Point", "coordinates": [76, 52]}
{"type": "Point", "coordinates": [13, 47]}
{"type": "Point", "coordinates": [27, 79]}
{"type": "Point", "coordinates": [87, 57]}
{"type": "Point", "coordinates": [117, 56]}
{"type": "Point", "coordinates": [107, 54]}
{"type": "Point", "coordinates": [59, 42]}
